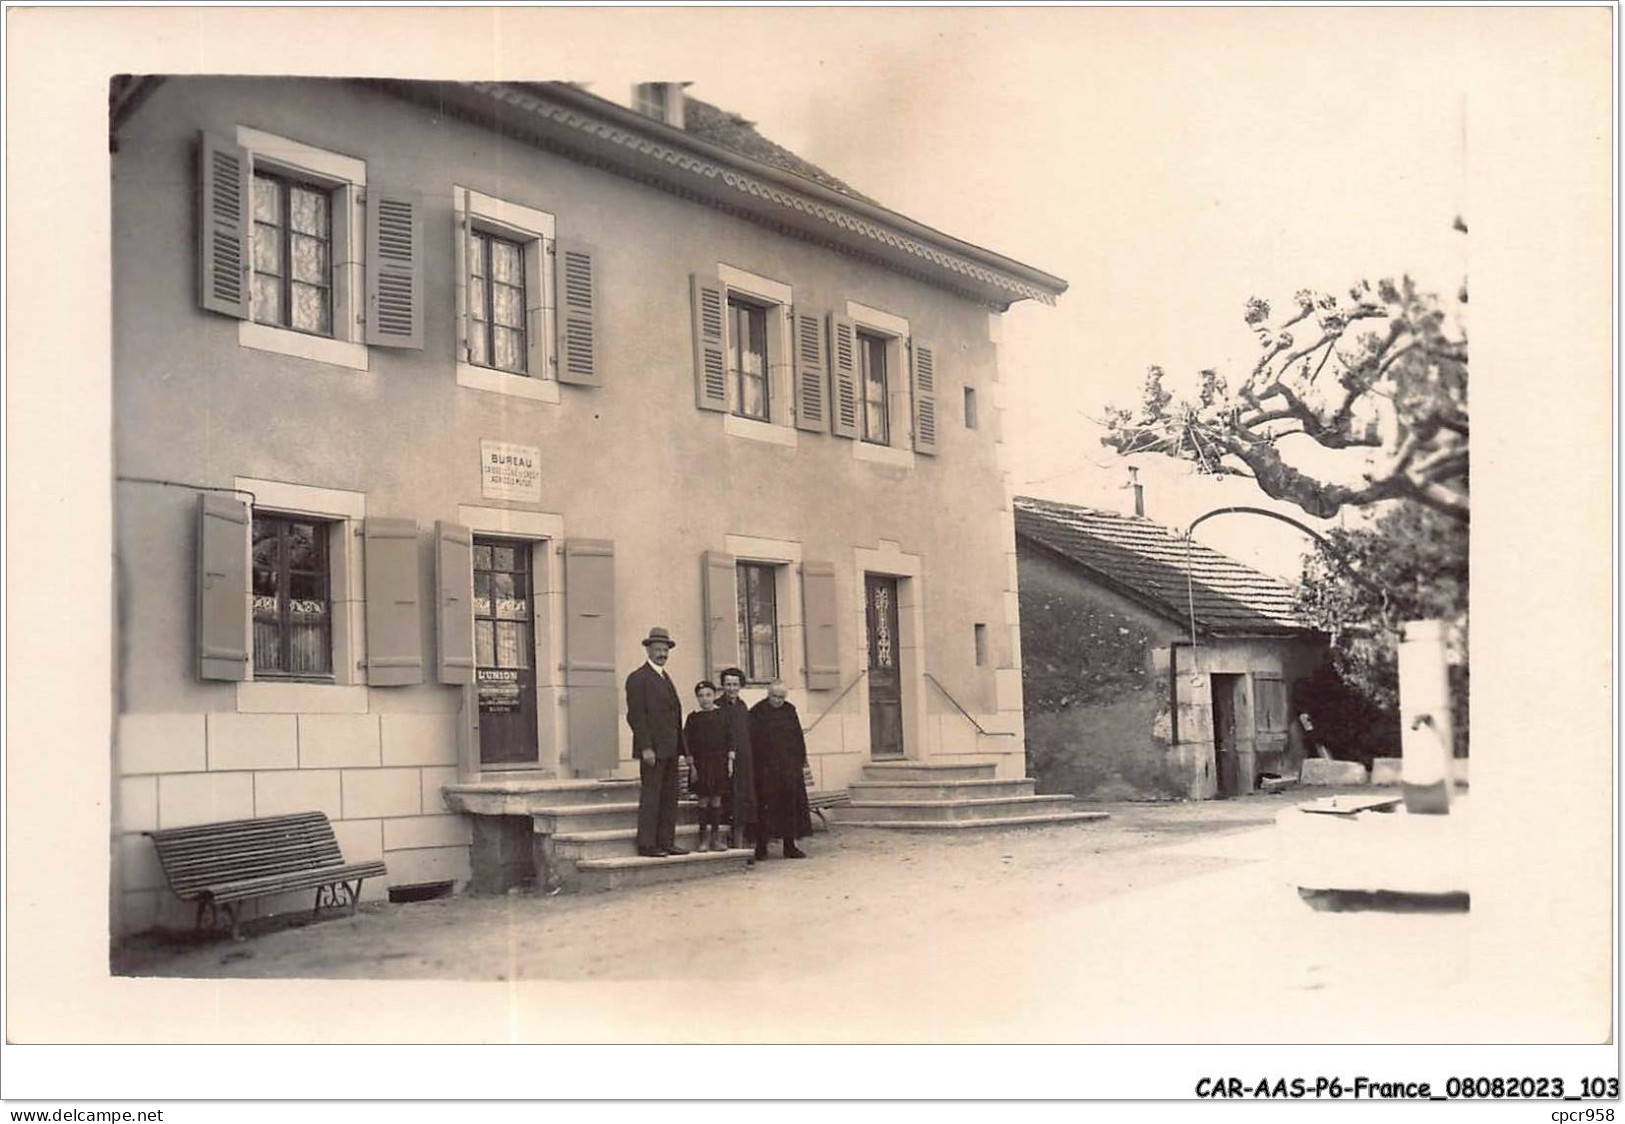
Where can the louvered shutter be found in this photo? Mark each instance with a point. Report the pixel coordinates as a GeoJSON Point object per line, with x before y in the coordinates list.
{"type": "Point", "coordinates": [710, 304]}
{"type": "Point", "coordinates": [812, 374]}
{"type": "Point", "coordinates": [843, 377]}
{"type": "Point", "coordinates": [394, 630]}
{"type": "Point", "coordinates": [818, 616]}
{"type": "Point", "coordinates": [925, 400]}
{"type": "Point", "coordinates": [462, 256]}
{"type": "Point", "coordinates": [225, 192]}
{"type": "Point", "coordinates": [222, 586]}
{"type": "Point", "coordinates": [593, 744]}
{"type": "Point", "coordinates": [577, 286]}
{"type": "Point", "coordinates": [721, 611]}
{"type": "Point", "coordinates": [394, 269]}
{"type": "Point", "coordinates": [454, 602]}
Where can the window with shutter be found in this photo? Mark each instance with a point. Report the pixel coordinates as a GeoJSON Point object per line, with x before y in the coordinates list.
{"type": "Point", "coordinates": [709, 306]}
{"type": "Point", "coordinates": [505, 295]}
{"type": "Point", "coordinates": [223, 235]}
{"type": "Point", "coordinates": [812, 376]}
{"type": "Point", "coordinates": [292, 604]}
{"type": "Point", "coordinates": [721, 635]}
{"type": "Point", "coordinates": [222, 587]}
{"type": "Point", "coordinates": [819, 625]}
{"type": "Point", "coordinates": [758, 621]}
{"type": "Point", "coordinates": [843, 377]}
{"type": "Point", "coordinates": [454, 612]}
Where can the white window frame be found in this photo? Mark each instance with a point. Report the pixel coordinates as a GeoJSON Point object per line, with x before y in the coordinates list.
{"type": "Point", "coordinates": [346, 178]}
{"type": "Point", "coordinates": [534, 230]}
{"type": "Point", "coordinates": [899, 450]}
{"type": "Point", "coordinates": [344, 513]}
{"type": "Point", "coordinates": [777, 298]}
{"type": "Point", "coordinates": [784, 555]}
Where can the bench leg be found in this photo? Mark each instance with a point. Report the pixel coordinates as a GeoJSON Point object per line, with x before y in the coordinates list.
{"type": "Point", "coordinates": [231, 912]}
{"type": "Point", "coordinates": [355, 895]}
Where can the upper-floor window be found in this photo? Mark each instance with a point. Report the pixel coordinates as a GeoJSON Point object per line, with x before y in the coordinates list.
{"type": "Point", "coordinates": [496, 303]}
{"type": "Point", "coordinates": [747, 359]}
{"type": "Point", "coordinates": [293, 254]}
{"type": "Point", "coordinates": [876, 398]}
{"type": "Point", "coordinates": [293, 625]}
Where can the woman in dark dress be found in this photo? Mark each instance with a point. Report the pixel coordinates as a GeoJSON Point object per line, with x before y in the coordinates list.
{"type": "Point", "coordinates": [705, 740]}
{"type": "Point", "coordinates": [780, 752]}
{"type": "Point", "coordinates": [742, 807]}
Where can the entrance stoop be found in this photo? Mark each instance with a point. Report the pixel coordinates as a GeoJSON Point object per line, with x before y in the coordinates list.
{"type": "Point", "coordinates": [583, 834]}
{"type": "Point", "coordinates": [922, 796]}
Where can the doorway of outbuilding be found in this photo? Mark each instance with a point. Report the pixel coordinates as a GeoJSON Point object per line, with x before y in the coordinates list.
{"type": "Point", "coordinates": [1226, 756]}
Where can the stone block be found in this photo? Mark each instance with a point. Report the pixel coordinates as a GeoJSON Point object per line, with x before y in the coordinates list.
{"type": "Point", "coordinates": [369, 793]}
{"type": "Point", "coordinates": [338, 741]}
{"type": "Point", "coordinates": [138, 803]}
{"type": "Point", "coordinates": [1386, 770]}
{"type": "Point", "coordinates": [1006, 689]}
{"type": "Point", "coordinates": [958, 735]}
{"type": "Point", "coordinates": [436, 778]}
{"type": "Point", "coordinates": [138, 864]}
{"type": "Point", "coordinates": [161, 743]}
{"type": "Point", "coordinates": [253, 741]}
{"type": "Point", "coordinates": [1317, 770]}
{"type": "Point", "coordinates": [426, 831]}
{"type": "Point", "coordinates": [419, 739]}
{"type": "Point", "coordinates": [359, 840]}
{"type": "Point", "coordinates": [189, 798]}
{"type": "Point", "coordinates": [428, 864]}
{"type": "Point", "coordinates": [297, 790]}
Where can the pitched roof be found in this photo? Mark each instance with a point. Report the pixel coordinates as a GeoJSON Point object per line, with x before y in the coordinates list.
{"type": "Point", "coordinates": [1149, 563]}
{"type": "Point", "coordinates": [733, 132]}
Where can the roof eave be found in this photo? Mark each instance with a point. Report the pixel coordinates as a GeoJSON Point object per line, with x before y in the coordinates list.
{"type": "Point", "coordinates": [558, 116]}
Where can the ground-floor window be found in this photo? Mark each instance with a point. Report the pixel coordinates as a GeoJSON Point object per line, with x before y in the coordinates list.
{"type": "Point", "coordinates": [758, 621]}
{"type": "Point", "coordinates": [293, 609]}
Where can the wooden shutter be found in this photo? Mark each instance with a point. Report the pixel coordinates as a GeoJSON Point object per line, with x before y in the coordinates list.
{"type": "Point", "coordinates": [812, 374]}
{"type": "Point", "coordinates": [394, 631]}
{"type": "Point", "coordinates": [843, 377]}
{"type": "Point", "coordinates": [222, 586]}
{"type": "Point", "coordinates": [818, 618]}
{"type": "Point", "coordinates": [591, 692]}
{"type": "Point", "coordinates": [454, 602]}
{"type": "Point", "coordinates": [462, 256]}
{"type": "Point", "coordinates": [721, 611]}
{"type": "Point", "coordinates": [925, 400]}
{"type": "Point", "coordinates": [710, 304]}
{"type": "Point", "coordinates": [224, 205]}
{"type": "Point", "coordinates": [577, 286]}
{"type": "Point", "coordinates": [394, 269]}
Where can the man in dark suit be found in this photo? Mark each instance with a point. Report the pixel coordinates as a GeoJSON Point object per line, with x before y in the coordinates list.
{"type": "Point", "coordinates": [655, 712]}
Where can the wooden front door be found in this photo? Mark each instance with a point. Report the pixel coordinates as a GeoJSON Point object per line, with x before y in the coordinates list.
{"type": "Point", "coordinates": [885, 675]}
{"type": "Point", "coordinates": [504, 667]}
{"type": "Point", "coordinates": [1226, 756]}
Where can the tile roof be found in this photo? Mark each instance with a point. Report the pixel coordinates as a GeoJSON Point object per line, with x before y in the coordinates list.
{"type": "Point", "coordinates": [1148, 562]}
{"type": "Point", "coordinates": [731, 131]}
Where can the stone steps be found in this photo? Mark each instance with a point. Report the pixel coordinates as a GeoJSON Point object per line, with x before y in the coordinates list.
{"type": "Point", "coordinates": [613, 844]}
{"type": "Point", "coordinates": [963, 808]}
{"type": "Point", "coordinates": [885, 771]}
{"type": "Point", "coordinates": [1044, 820]}
{"type": "Point", "coordinates": [555, 819]}
{"type": "Point", "coordinates": [883, 791]}
{"type": "Point", "coordinates": [627, 871]}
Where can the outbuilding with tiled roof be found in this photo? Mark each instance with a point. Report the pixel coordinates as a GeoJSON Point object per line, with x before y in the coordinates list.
{"type": "Point", "coordinates": [1153, 666]}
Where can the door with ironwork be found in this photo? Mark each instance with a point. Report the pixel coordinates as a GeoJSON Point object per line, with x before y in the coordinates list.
{"type": "Point", "coordinates": [504, 642]}
{"type": "Point", "coordinates": [885, 674]}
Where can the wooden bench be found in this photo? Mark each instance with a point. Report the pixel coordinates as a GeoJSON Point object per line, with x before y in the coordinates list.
{"type": "Point", "coordinates": [219, 865]}
{"type": "Point", "coordinates": [818, 801]}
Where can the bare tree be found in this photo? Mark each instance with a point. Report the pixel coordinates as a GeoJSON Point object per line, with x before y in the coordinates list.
{"type": "Point", "coordinates": [1379, 373]}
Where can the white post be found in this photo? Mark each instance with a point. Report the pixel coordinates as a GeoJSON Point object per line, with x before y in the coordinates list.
{"type": "Point", "coordinates": [1424, 712]}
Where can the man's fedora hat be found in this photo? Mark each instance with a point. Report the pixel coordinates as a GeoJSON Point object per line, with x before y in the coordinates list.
{"type": "Point", "coordinates": [659, 636]}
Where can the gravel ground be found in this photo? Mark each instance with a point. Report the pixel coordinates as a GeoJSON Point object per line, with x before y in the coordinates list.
{"type": "Point", "coordinates": [862, 892]}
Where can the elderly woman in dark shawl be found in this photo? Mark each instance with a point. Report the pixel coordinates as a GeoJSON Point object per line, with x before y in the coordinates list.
{"type": "Point", "coordinates": [742, 813]}
{"type": "Point", "coordinates": [780, 752]}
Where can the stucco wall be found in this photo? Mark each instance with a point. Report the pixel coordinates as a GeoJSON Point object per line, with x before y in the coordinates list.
{"type": "Point", "coordinates": [633, 461]}
{"type": "Point", "coordinates": [1097, 686]}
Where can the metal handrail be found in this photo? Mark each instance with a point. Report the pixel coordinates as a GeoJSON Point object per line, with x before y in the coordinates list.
{"type": "Point", "coordinates": [835, 703]}
{"type": "Point", "coordinates": [966, 713]}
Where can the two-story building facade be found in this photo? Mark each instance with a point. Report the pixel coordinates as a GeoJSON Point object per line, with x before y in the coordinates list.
{"type": "Point", "coordinates": [431, 398]}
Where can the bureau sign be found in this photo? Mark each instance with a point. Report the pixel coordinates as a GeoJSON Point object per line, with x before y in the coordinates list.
{"type": "Point", "coordinates": [510, 472]}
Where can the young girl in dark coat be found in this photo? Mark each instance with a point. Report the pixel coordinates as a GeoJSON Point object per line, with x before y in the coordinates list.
{"type": "Point", "coordinates": [706, 740]}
